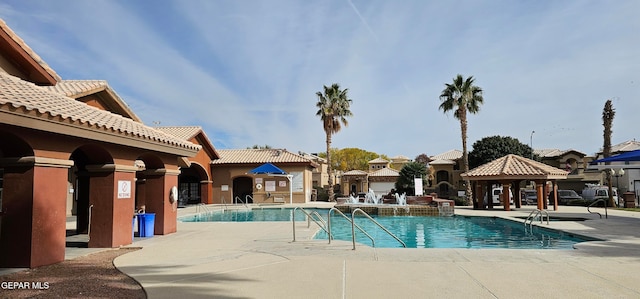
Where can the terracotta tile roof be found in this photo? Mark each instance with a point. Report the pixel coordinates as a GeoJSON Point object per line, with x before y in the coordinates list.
{"type": "Point", "coordinates": [355, 172]}
{"type": "Point", "coordinates": [187, 133]}
{"type": "Point", "coordinates": [258, 156]}
{"type": "Point", "coordinates": [78, 88]}
{"type": "Point", "coordinates": [626, 146]}
{"type": "Point", "coordinates": [553, 152]}
{"type": "Point", "coordinates": [450, 155]}
{"type": "Point", "coordinates": [40, 103]}
{"type": "Point", "coordinates": [442, 162]}
{"type": "Point", "coordinates": [400, 157]}
{"type": "Point", "coordinates": [4, 27]}
{"type": "Point", "coordinates": [378, 160]}
{"type": "Point", "coordinates": [81, 88]}
{"type": "Point", "coordinates": [514, 167]}
{"type": "Point", "coordinates": [385, 172]}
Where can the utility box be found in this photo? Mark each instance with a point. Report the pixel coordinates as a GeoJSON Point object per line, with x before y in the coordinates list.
{"type": "Point", "coordinates": [629, 199]}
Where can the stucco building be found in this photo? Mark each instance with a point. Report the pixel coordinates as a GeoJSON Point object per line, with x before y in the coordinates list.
{"type": "Point", "coordinates": [57, 146]}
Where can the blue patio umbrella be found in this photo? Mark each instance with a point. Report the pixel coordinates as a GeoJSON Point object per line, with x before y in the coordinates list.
{"type": "Point", "coordinates": [267, 168]}
{"type": "Point", "coordinates": [626, 156]}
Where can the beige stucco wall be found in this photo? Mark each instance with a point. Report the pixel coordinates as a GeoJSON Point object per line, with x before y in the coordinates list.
{"type": "Point", "coordinates": [223, 175]}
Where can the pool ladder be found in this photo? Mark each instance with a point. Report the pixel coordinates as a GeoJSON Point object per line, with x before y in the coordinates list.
{"type": "Point", "coordinates": [326, 226]}
{"type": "Point", "coordinates": [535, 214]}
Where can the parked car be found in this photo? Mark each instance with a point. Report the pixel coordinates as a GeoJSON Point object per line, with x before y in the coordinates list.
{"type": "Point", "coordinates": [496, 194]}
{"type": "Point", "coordinates": [564, 197]}
{"type": "Point", "coordinates": [596, 192]}
{"type": "Point", "coordinates": [529, 197]}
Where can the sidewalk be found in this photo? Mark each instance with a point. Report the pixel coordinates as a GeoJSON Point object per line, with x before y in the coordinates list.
{"type": "Point", "coordinates": [259, 260]}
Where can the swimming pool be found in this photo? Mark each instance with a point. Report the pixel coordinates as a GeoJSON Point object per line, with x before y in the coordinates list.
{"type": "Point", "coordinates": [416, 231]}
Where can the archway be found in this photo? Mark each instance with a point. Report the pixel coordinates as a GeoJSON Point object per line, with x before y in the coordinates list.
{"type": "Point", "coordinates": [192, 184]}
{"type": "Point", "coordinates": [242, 186]}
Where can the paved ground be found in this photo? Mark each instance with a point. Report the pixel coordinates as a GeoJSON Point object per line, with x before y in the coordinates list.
{"type": "Point", "coordinates": [259, 260]}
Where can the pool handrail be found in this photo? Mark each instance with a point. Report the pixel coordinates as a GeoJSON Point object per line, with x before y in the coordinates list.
{"type": "Point", "coordinates": [353, 230]}
{"type": "Point", "coordinates": [373, 242]}
{"type": "Point", "coordinates": [533, 214]}
{"type": "Point", "coordinates": [243, 203]}
{"type": "Point", "coordinates": [293, 220]}
{"type": "Point", "coordinates": [604, 202]}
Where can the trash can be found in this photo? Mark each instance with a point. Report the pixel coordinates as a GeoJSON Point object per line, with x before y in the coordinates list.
{"type": "Point", "coordinates": [629, 199]}
{"type": "Point", "coordinates": [133, 227]}
{"type": "Point", "coordinates": [145, 224]}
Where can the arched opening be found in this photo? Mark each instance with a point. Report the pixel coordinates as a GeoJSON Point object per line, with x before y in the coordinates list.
{"type": "Point", "coordinates": [190, 184]}
{"type": "Point", "coordinates": [242, 186]}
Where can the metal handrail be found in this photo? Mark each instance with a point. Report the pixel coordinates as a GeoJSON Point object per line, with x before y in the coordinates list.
{"type": "Point", "coordinates": [293, 220]}
{"type": "Point", "coordinates": [353, 230]}
{"type": "Point", "coordinates": [373, 242]}
{"type": "Point", "coordinates": [604, 202]}
{"type": "Point", "coordinates": [202, 206]}
{"type": "Point", "coordinates": [240, 200]}
{"type": "Point", "coordinates": [533, 214]}
{"type": "Point", "coordinates": [247, 197]}
{"type": "Point", "coordinates": [89, 227]}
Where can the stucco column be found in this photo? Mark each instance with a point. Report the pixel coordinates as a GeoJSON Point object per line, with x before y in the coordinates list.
{"type": "Point", "coordinates": [505, 196]}
{"type": "Point", "coordinates": [555, 195]}
{"type": "Point", "coordinates": [34, 201]}
{"type": "Point", "coordinates": [206, 192]}
{"type": "Point", "coordinates": [157, 188]}
{"type": "Point", "coordinates": [540, 191]}
{"type": "Point", "coordinates": [111, 204]}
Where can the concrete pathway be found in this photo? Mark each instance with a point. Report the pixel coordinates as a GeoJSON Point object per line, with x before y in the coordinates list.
{"type": "Point", "coordinates": [259, 260]}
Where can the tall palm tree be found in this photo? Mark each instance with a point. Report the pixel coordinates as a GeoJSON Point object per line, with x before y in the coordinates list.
{"type": "Point", "coordinates": [333, 108]}
{"type": "Point", "coordinates": [607, 121]}
{"type": "Point", "coordinates": [461, 97]}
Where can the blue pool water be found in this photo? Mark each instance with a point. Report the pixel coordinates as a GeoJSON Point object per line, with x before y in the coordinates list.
{"type": "Point", "coordinates": [417, 231]}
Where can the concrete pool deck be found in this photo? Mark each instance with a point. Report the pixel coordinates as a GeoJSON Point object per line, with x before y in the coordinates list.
{"type": "Point", "coordinates": [259, 260]}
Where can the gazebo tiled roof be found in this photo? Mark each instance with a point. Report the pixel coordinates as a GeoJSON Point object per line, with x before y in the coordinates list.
{"type": "Point", "coordinates": [514, 167]}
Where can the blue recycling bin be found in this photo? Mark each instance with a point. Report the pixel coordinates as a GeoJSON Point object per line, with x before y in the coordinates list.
{"type": "Point", "coordinates": [146, 222]}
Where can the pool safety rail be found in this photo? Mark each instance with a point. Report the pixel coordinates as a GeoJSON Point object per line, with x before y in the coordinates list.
{"type": "Point", "coordinates": [536, 214]}
{"type": "Point", "coordinates": [202, 207]}
{"type": "Point", "coordinates": [238, 199]}
{"type": "Point", "coordinates": [604, 203]}
{"type": "Point", "coordinates": [353, 232]}
{"type": "Point", "coordinates": [326, 225]}
{"type": "Point", "coordinates": [373, 242]}
{"type": "Point", "coordinates": [310, 216]}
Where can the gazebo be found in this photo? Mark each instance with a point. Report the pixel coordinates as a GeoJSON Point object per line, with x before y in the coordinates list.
{"type": "Point", "coordinates": [511, 170]}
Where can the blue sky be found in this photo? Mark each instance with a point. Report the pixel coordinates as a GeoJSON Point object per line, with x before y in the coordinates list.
{"type": "Point", "coordinates": [247, 71]}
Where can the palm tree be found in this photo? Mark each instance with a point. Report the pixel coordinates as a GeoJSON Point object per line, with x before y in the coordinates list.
{"type": "Point", "coordinates": [607, 121]}
{"type": "Point", "coordinates": [462, 96]}
{"type": "Point", "coordinates": [333, 109]}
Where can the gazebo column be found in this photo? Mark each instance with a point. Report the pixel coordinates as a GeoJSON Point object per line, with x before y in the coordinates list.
{"type": "Point", "coordinates": [540, 191]}
{"type": "Point", "coordinates": [517, 195]}
{"type": "Point", "coordinates": [545, 194]}
{"type": "Point", "coordinates": [477, 196]}
{"type": "Point", "coordinates": [505, 196]}
{"type": "Point", "coordinates": [555, 195]}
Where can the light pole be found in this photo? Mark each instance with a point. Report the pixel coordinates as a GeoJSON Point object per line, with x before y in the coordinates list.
{"type": "Point", "coordinates": [531, 143]}
{"type": "Point", "coordinates": [618, 174]}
